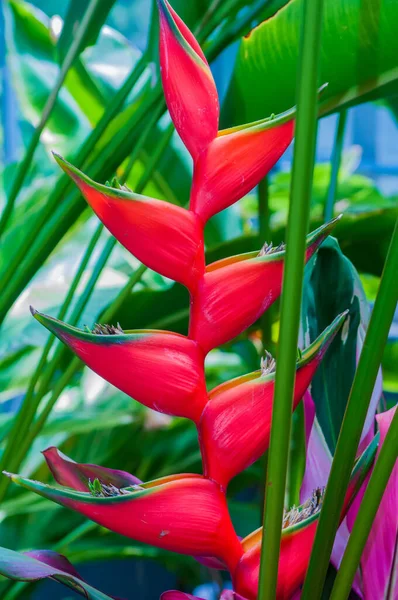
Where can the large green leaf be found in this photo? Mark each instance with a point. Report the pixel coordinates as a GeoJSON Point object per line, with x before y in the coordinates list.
{"type": "Point", "coordinates": [331, 286]}
{"type": "Point", "coordinates": [359, 58]}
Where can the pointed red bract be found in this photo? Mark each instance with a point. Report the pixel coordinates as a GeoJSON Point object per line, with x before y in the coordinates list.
{"type": "Point", "coordinates": [162, 370]}
{"type": "Point", "coordinates": [236, 161]}
{"type": "Point", "coordinates": [165, 237]}
{"type": "Point", "coordinates": [188, 84]}
{"type": "Point", "coordinates": [235, 292]}
{"type": "Point", "coordinates": [235, 425]}
{"type": "Point", "coordinates": [184, 513]}
{"type": "Point", "coordinates": [77, 476]}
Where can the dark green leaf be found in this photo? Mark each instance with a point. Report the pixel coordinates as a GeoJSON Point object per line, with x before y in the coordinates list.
{"type": "Point", "coordinates": [331, 270]}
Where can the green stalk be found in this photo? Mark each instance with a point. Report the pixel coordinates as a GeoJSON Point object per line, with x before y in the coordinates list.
{"type": "Point", "coordinates": [66, 65]}
{"type": "Point", "coordinates": [366, 513]}
{"type": "Point", "coordinates": [297, 227]}
{"type": "Point", "coordinates": [336, 161]}
{"type": "Point", "coordinates": [353, 422]}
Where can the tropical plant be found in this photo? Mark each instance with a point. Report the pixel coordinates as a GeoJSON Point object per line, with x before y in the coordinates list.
{"type": "Point", "coordinates": [165, 371]}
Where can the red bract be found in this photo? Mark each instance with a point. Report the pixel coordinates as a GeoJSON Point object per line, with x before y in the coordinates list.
{"type": "Point", "coordinates": [181, 513]}
{"type": "Point", "coordinates": [297, 539]}
{"type": "Point", "coordinates": [236, 422]}
{"type": "Point", "coordinates": [188, 84]}
{"type": "Point", "coordinates": [160, 369]}
{"type": "Point", "coordinates": [165, 237]}
{"type": "Point", "coordinates": [235, 292]}
{"type": "Point", "coordinates": [236, 161]}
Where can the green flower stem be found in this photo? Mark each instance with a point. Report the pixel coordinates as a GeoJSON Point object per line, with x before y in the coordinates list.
{"type": "Point", "coordinates": [353, 422]}
{"type": "Point", "coordinates": [302, 174]}
{"type": "Point", "coordinates": [70, 57]}
{"type": "Point", "coordinates": [367, 512]}
{"type": "Point", "coordinates": [336, 161]}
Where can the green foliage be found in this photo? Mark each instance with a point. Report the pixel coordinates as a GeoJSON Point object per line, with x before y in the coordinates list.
{"type": "Point", "coordinates": [358, 59]}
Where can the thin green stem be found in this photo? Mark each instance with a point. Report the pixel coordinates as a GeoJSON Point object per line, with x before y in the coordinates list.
{"type": "Point", "coordinates": [297, 227]}
{"type": "Point", "coordinates": [66, 65]}
{"type": "Point", "coordinates": [353, 422]}
{"type": "Point", "coordinates": [336, 162]}
{"type": "Point", "coordinates": [366, 513]}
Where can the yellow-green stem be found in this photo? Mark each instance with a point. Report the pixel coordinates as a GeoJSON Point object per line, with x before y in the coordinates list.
{"type": "Point", "coordinates": [303, 164]}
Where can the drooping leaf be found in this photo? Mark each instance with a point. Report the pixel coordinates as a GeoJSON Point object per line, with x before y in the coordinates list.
{"type": "Point", "coordinates": [37, 565]}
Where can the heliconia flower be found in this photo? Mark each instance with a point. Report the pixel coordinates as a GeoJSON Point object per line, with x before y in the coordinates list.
{"type": "Point", "coordinates": [234, 292]}
{"type": "Point", "coordinates": [165, 237]}
{"type": "Point", "coordinates": [40, 564]}
{"type": "Point", "coordinates": [236, 161]}
{"type": "Point", "coordinates": [299, 528]}
{"type": "Point", "coordinates": [69, 473]}
{"type": "Point", "coordinates": [188, 84]}
{"type": "Point", "coordinates": [181, 513]}
{"type": "Point", "coordinates": [235, 425]}
{"type": "Point", "coordinates": [162, 370]}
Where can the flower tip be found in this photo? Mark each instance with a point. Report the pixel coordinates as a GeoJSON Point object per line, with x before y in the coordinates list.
{"type": "Point", "coordinates": [50, 450]}
{"type": "Point", "coordinates": [33, 311]}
